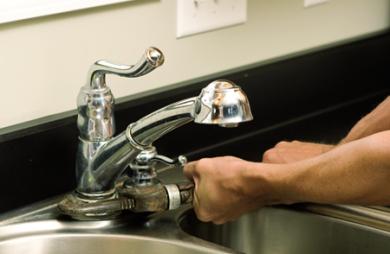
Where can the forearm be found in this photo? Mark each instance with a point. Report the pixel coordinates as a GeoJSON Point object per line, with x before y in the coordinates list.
{"type": "Point", "coordinates": [354, 173]}
{"type": "Point", "coordinates": [376, 121]}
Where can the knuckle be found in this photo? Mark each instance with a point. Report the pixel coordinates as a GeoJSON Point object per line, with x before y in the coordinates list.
{"type": "Point", "coordinates": [202, 215]}
{"type": "Point", "coordinates": [203, 162]}
{"type": "Point", "coordinates": [219, 222]}
{"type": "Point", "coordinates": [269, 155]}
{"type": "Point", "coordinates": [229, 157]}
{"type": "Point", "coordinates": [281, 144]}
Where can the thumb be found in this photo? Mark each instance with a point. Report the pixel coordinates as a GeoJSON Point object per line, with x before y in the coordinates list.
{"type": "Point", "coordinates": [189, 170]}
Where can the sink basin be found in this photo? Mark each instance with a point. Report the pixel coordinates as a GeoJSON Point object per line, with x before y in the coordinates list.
{"type": "Point", "coordinates": [93, 244]}
{"type": "Point", "coordinates": [43, 230]}
{"type": "Point", "coordinates": [281, 230]}
{"type": "Point", "coordinates": [40, 228]}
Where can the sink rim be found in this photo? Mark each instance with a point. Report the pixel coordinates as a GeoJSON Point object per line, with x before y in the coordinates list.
{"type": "Point", "coordinates": [186, 245]}
{"type": "Point", "coordinates": [165, 227]}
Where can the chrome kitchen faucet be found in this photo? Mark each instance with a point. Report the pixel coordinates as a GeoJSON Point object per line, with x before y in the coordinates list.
{"type": "Point", "coordinates": [116, 173]}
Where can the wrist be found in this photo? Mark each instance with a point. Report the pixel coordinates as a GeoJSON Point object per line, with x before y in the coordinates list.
{"type": "Point", "coordinates": [269, 183]}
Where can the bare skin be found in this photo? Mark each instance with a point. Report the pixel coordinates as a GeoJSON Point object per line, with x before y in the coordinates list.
{"type": "Point", "coordinates": [376, 121]}
{"type": "Point", "coordinates": [285, 151]}
{"type": "Point", "coordinates": [219, 196]}
{"type": "Point", "coordinates": [357, 171]}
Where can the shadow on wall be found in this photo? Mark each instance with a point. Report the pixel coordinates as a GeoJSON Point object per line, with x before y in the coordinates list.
{"type": "Point", "coordinates": [76, 13]}
{"type": "Point", "coordinates": [388, 14]}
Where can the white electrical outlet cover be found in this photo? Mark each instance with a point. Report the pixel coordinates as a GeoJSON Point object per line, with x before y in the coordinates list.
{"type": "Point", "coordinates": [309, 3]}
{"type": "Point", "coordinates": [196, 16]}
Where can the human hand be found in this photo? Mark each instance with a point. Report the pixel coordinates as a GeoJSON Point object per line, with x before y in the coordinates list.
{"type": "Point", "coordinates": [286, 152]}
{"type": "Point", "coordinates": [376, 121]}
{"type": "Point", "coordinates": [227, 187]}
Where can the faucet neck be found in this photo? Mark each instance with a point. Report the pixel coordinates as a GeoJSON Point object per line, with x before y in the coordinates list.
{"type": "Point", "coordinates": [151, 127]}
{"type": "Point", "coordinates": [99, 165]}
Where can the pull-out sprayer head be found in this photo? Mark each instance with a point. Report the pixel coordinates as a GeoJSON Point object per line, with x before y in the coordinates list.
{"type": "Point", "coordinates": [224, 103]}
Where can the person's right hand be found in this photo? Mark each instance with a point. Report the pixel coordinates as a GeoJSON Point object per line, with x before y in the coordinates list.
{"type": "Point", "coordinates": [227, 187]}
{"type": "Point", "coordinates": [286, 152]}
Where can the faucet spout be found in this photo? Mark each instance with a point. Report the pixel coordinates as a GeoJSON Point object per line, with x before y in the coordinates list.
{"type": "Point", "coordinates": [100, 164]}
{"type": "Point", "coordinates": [153, 126]}
{"type": "Point", "coordinates": [222, 102]}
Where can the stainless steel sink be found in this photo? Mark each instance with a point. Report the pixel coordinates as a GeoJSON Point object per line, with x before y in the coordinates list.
{"type": "Point", "coordinates": [42, 229]}
{"type": "Point", "coordinates": [93, 244]}
{"type": "Point", "coordinates": [286, 230]}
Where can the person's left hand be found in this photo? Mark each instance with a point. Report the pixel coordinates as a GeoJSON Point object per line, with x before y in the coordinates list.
{"type": "Point", "coordinates": [226, 187]}
{"type": "Point", "coordinates": [287, 152]}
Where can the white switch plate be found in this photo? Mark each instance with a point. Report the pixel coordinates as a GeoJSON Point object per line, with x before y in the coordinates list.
{"type": "Point", "coordinates": [196, 16]}
{"type": "Point", "coordinates": [309, 3]}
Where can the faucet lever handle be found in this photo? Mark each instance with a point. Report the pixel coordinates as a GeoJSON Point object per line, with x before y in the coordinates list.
{"type": "Point", "coordinates": [150, 155]}
{"type": "Point", "coordinates": [150, 60]}
{"type": "Point", "coordinates": [180, 161]}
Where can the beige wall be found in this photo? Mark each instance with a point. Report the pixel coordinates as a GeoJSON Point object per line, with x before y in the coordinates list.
{"type": "Point", "coordinates": [44, 61]}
